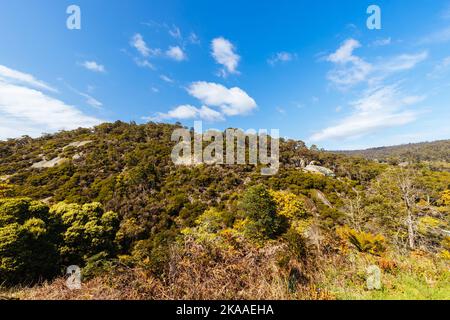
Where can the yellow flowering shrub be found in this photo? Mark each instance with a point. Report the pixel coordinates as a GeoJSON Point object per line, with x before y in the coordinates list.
{"type": "Point", "coordinates": [445, 198]}
{"type": "Point", "coordinates": [6, 190]}
{"type": "Point", "coordinates": [289, 205]}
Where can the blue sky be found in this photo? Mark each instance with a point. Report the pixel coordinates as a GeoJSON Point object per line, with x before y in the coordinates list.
{"type": "Point", "coordinates": [309, 68]}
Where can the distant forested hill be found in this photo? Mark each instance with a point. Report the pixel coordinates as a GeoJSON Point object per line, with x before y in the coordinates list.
{"type": "Point", "coordinates": [413, 152]}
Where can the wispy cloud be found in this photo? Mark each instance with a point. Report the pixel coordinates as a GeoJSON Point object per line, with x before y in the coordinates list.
{"type": "Point", "coordinates": [144, 63]}
{"type": "Point", "coordinates": [381, 105]}
{"type": "Point", "coordinates": [223, 51]}
{"type": "Point", "coordinates": [402, 62]}
{"type": "Point", "coordinates": [94, 66]}
{"type": "Point", "coordinates": [138, 42]}
{"type": "Point", "coordinates": [440, 69]}
{"type": "Point", "coordinates": [27, 110]}
{"type": "Point", "coordinates": [90, 100]}
{"type": "Point", "coordinates": [281, 57]}
{"type": "Point", "coordinates": [175, 32]}
{"type": "Point", "coordinates": [351, 69]}
{"type": "Point", "coordinates": [382, 42]}
{"type": "Point", "coordinates": [14, 76]}
{"type": "Point", "coordinates": [176, 53]}
{"type": "Point", "coordinates": [280, 110]}
{"type": "Point", "coordinates": [378, 108]}
{"type": "Point", "coordinates": [167, 79]}
{"type": "Point", "coordinates": [440, 36]}
{"type": "Point", "coordinates": [193, 38]}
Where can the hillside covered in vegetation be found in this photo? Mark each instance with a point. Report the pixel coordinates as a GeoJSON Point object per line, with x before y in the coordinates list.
{"type": "Point", "coordinates": [437, 151]}
{"type": "Point", "coordinates": [110, 200]}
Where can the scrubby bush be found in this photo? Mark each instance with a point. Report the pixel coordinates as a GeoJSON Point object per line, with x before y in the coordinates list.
{"type": "Point", "coordinates": [445, 198]}
{"type": "Point", "coordinates": [260, 207]}
{"type": "Point", "coordinates": [363, 241]}
{"type": "Point", "coordinates": [86, 230]}
{"type": "Point", "coordinates": [36, 242]}
{"type": "Point", "coordinates": [289, 205]}
{"type": "Point", "coordinates": [28, 251]}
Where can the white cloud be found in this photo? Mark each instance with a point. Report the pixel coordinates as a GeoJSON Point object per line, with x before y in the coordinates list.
{"type": "Point", "coordinates": [94, 66]}
{"type": "Point", "coordinates": [209, 114]}
{"type": "Point", "coordinates": [185, 112]}
{"type": "Point", "coordinates": [229, 102]}
{"type": "Point", "coordinates": [440, 36]}
{"type": "Point", "coordinates": [442, 68]}
{"type": "Point", "coordinates": [175, 32]}
{"type": "Point", "coordinates": [403, 62]}
{"type": "Point", "coordinates": [351, 70]}
{"type": "Point", "coordinates": [144, 63]}
{"type": "Point", "coordinates": [28, 111]}
{"type": "Point", "coordinates": [379, 108]}
{"type": "Point", "coordinates": [91, 100]}
{"type": "Point", "coordinates": [193, 38]}
{"type": "Point", "coordinates": [176, 53]}
{"type": "Point", "coordinates": [14, 76]}
{"type": "Point", "coordinates": [382, 42]}
{"type": "Point", "coordinates": [180, 112]}
{"type": "Point", "coordinates": [344, 53]}
{"type": "Point", "coordinates": [280, 110]}
{"type": "Point", "coordinates": [166, 78]}
{"type": "Point", "coordinates": [232, 102]}
{"type": "Point", "coordinates": [281, 57]}
{"type": "Point", "coordinates": [223, 52]}
{"type": "Point", "coordinates": [137, 42]}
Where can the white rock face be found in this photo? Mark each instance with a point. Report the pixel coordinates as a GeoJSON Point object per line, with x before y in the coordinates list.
{"type": "Point", "coordinates": [319, 170]}
{"type": "Point", "coordinates": [58, 160]}
{"type": "Point", "coordinates": [48, 164]}
{"type": "Point", "coordinates": [78, 144]}
{"type": "Point", "coordinates": [77, 156]}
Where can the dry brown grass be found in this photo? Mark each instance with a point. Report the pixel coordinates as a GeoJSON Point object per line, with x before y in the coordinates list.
{"type": "Point", "coordinates": [194, 272]}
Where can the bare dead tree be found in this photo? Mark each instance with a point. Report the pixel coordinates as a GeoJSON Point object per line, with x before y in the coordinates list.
{"type": "Point", "coordinates": [354, 209]}
{"type": "Point", "coordinates": [409, 193]}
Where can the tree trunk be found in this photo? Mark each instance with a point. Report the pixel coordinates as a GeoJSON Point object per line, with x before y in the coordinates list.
{"type": "Point", "coordinates": [410, 224]}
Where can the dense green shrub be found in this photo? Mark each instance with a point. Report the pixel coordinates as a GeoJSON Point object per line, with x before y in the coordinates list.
{"type": "Point", "coordinates": [86, 230]}
{"type": "Point", "coordinates": [28, 250]}
{"type": "Point", "coordinates": [260, 207]}
{"type": "Point", "coordinates": [37, 242]}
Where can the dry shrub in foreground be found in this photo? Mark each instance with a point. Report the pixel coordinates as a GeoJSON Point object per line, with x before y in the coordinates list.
{"type": "Point", "coordinates": [197, 272]}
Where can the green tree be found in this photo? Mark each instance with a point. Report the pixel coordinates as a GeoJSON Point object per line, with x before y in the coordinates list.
{"type": "Point", "coordinates": [27, 242]}
{"type": "Point", "coordinates": [86, 230]}
{"type": "Point", "coordinates": [260, 207]}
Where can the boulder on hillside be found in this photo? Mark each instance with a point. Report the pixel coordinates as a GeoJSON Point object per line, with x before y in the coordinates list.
{"type": "Point", "coordinates": [319, 170]}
